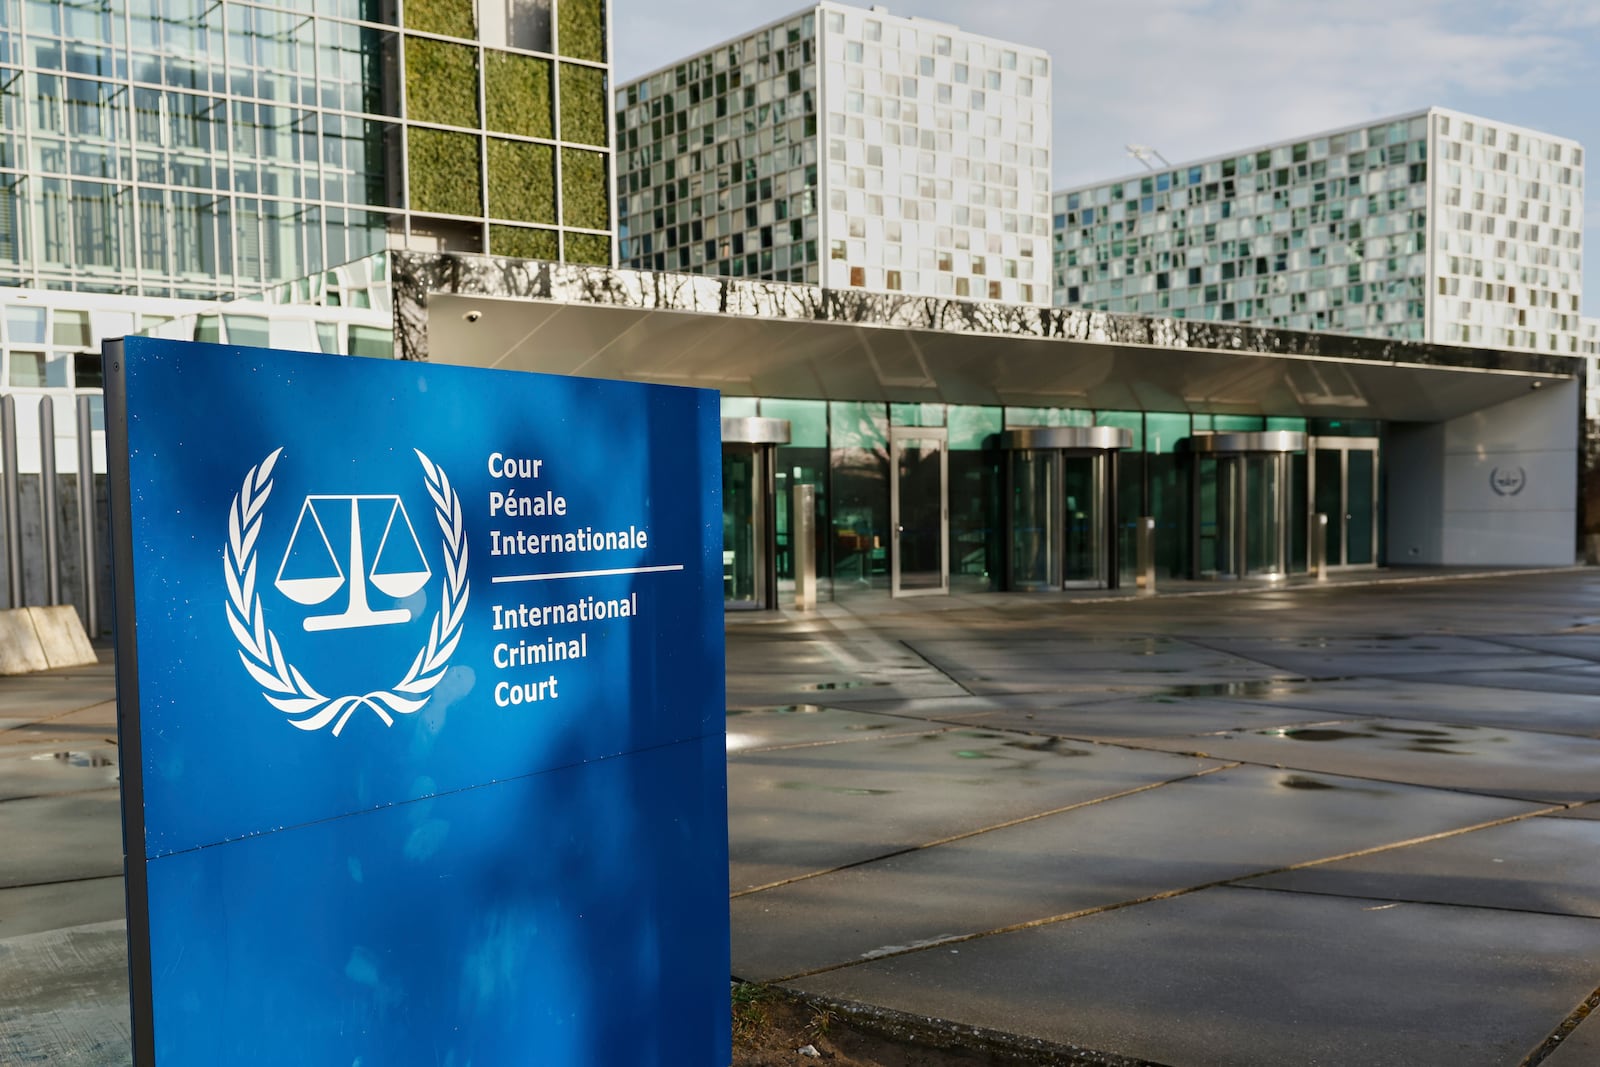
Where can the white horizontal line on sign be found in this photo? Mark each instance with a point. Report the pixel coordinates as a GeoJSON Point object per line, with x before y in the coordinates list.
{"type": "Point", "coordinates": [498, 579]}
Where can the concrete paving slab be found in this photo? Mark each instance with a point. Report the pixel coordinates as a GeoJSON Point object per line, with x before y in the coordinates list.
{"type": "Point", "coordinates": [795, 812]}
{"type": "Point", "coordinates": [97, 722]}
{"type": "Point", "coordinates": [36, 770]}
{"type": "Point", "coordinates": [20, 650]}
{"type": "Point", "coordinates": [1582, 811]}
{"type": "Point", "coordinates": [62, 637]}
{"type": "Point", "coordinates": [64, 997]}
{"type": "Point", "coordinates": [1580, 681]}
{"type": "Point", "coordinates": [1552, 768]}
{"type": "Point", "coordinates": [60, 838]}
{"type": "Point", "coordinates": [1204, 830]}
{"type": "Point", "coordinates": [1326, 657]}
{"type": "Point", "coordinates": [1120, 719]}
{"type": "Point", "coordinates": [38, 908]}
{"type": "Point", "coordinates": [1418, 698]}
{"type": "Point", "coordinates": [1231, 976]}
{"type": "Point", "coordinates": [788, 725]}
{"type": "Point", "coordinates": [1580, 1049]}
{"type": "Point", "coordinates": [1582, 645]}
{"type": "Point", "coordinates": [1543, 865]}
{"type": "Point", "coordinates": [955, 708]}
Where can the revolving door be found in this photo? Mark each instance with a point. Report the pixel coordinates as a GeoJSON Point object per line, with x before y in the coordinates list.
{"type": "Point", "coordinates": [1060, 511]}
{"type": "Point", "coordinates": [749, 514]}
{"type": "Point", "coordinates": [1242, 495]}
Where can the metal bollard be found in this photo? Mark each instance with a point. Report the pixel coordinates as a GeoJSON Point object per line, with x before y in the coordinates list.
{"type": "Point", "coordinates": [11, 500]}
{"type": "Point", "coordinates": [1319, 546]}
{"type": "Point", "coordinates": [803, 544]}
{"type": "Point", "coordinates": [1144, 538]}
{"type": "Point", "coordinates": [47, 500]}
{"type": "Point", "coordinates": [86, 523]}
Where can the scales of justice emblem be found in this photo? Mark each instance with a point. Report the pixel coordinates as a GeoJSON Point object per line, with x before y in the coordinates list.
{"type": "Point", "coordinates": [310, 573]}
{"type": "Point", "coordinates": [327, 553]}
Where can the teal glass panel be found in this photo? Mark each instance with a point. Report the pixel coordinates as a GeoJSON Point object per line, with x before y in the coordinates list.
{"type": "Point", "coordinates": [916, 414]}
{"type": "Point", "coordinates": [1163, 431]}
{"type": "Point", "coordinates": [852, 424]}
{"type": "Point", "coordinates": [1016, 416]}
{"type": "Point", "coordinates": [972, 427]}
{"type": "Point", "coordinates": [739, 407]}
{"type": "Point", "coordinates": [808, 420]}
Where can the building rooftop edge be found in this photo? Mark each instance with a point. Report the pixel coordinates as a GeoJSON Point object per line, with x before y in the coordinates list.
{"type": "Point", "coordinates": [822, 5]}
{"type": "Point", "coordinates": [1379, 120]}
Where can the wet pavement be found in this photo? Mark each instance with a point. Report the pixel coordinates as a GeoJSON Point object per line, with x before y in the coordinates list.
{"type": "Point", "coordinates": [1346, 824]}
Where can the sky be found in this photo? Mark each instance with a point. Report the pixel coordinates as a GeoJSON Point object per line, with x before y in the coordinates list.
{"type": "Point", "coordinates": [1199, 78]}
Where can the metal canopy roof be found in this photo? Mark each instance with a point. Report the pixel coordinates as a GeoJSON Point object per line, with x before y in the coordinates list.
{"type": "Point", "coordinates": [810, 343]}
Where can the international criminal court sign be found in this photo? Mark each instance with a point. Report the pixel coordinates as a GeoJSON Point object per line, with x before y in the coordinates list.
{"type": "Point", "coordinates": [420, 685]}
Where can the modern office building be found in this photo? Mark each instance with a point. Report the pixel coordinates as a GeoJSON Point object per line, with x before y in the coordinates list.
{"type": "Point", "coordinates": [959, 446]}
{"type": "Point", "coordinates": [158, 152]}
{"type": "Point", "coordinates": [1432, 226]}
{"type": "Point", "coordinates": [847, 148]}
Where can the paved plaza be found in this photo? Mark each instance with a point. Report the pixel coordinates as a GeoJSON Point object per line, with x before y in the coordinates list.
{"type": "Point", "coordinates": [1346, 824]}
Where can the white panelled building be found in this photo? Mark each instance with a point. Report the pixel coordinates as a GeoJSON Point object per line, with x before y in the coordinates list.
{"type": "Point", "coordinates": [848, 148]}
{"type": "Point", "coordinates": [1434, 226]}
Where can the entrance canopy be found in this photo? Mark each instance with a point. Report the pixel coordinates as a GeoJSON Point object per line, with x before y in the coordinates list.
{"type": "Point", "coordinates": [775, 340]}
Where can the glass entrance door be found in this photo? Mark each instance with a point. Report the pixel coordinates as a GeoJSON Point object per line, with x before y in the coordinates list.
{"type": "Point", "coordinates": [1035, 543]}
{"type": "Point", "coordinates": [1242, 514]}
{"type": "Point", "coordinates": [919, 511]}
{"type": "Point", "coordinates": [1344, 473]}
{"type": "Point", "coordinates": [745, 506]}
{"type": "Point", "coordinates": [1059, 505]}
{"type": "Point", "coordinates": [1083, 498]}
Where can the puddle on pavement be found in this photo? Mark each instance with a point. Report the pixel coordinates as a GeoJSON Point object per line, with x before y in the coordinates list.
{"type": "Point", "coordinates": [1412, 731]}
{"type": "Point", "coordinates": [1226, 689]}
{"type": "Point", "coordinates": [968, 753]}
{"type": "Point", "coordinates": [1296, 781]}
{"type": "Point", "coordinates": [75, 759]}
{"type": "Point", "coordinates": [1051, 745]}
{"type": "Point", "coordinates": [1317, 733]}
{"type": "Point", "coordinates": [780, 709]}
{"type": "Point", "coordinates": [840, 790]}
{"type": "Point", "coordinates": [813, 687]}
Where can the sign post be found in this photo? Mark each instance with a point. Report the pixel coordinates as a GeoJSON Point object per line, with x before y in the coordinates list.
{"type": "Point", "coordinates": [420, 698]}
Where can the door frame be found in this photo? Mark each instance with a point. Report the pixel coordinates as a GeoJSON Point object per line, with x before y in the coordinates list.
{"type": "Point", "coordinates": [1344, 446]}
{"type": "Point", "coordinates": [898, 434]}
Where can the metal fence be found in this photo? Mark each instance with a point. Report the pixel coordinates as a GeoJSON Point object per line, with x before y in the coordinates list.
{"type": "Point", "coordinates": [44, 514]}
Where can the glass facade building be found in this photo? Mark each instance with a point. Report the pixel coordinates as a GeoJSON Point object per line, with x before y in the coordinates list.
{"type": "Point", "coordinates": [846, 148]}
{"type": "Point", "coordinates": [1433, 226]}
{"type": "Point", "coordinates": [172, 151]}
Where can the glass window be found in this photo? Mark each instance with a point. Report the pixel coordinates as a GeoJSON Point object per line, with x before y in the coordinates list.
{"type": "Point", "coordinates": [247, 330]}
{"type": "Point", "coordinates": [808, 420]}
{"type": "Point", "coordinates": [971, 427]}
{"type": "Point", "coordinates": [916, 414]}
{"type": "Point", "coordinates": [208, 328]}
{"type": "Point", "coordinates": [71, 329]}
{"type": "Point", "coordinates": [27, 369]}
{"type": "Point", "coordinates": [1163, 431]}
{"type": "Point", "coordinates": [371, 341]}
{"type": "Point", "coordinates": [25, 326]}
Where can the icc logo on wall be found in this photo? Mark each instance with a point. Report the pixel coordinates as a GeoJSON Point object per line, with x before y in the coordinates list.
{"type": "Point", "coordinates": [345, 551]}
{"type": "Point", "coordinates": [1508, 481]}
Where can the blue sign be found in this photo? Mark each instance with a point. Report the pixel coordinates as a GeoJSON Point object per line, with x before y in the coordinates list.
{"type": "Point", "coordinates": [420, 676]}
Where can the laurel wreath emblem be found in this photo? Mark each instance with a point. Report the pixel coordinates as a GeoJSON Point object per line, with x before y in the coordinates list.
{"type": "Point", "coordinates": [284, 687]}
